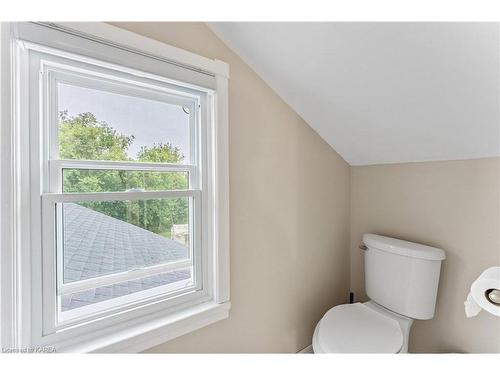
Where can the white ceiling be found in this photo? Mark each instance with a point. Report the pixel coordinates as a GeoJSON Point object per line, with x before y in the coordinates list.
{"type": "Point", "coordinates": [383, 92]}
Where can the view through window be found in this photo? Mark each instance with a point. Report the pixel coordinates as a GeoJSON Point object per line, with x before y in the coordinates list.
{"type": "Point", "coordinates": [117, 135]}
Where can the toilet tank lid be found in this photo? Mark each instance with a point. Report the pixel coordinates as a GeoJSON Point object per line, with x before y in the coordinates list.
{"type": "Point", "coordinates": [404, 248]}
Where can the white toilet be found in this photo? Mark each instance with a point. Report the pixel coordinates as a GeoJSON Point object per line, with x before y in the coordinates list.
{"type": "Point", "coordinates": [401, 280]}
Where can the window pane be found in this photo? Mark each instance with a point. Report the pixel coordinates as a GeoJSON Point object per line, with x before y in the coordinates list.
{"type": "Point", "coordinates": [105, 237]}
{"type": "Point", "coordinates": [170, 281]}
{"type": "Point", "coordinates": [95, 181]}
{"type": "Point", "coordinates": [101, 125]}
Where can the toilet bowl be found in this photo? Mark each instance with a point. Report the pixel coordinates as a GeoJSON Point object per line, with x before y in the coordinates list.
{"type": "Point", "coordinates": [361, 328]}
{"type": "Point", "coordinates": [401, 280]}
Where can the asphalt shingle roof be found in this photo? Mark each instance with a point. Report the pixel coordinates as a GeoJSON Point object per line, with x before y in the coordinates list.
{"type": "Point", "coordinates": [96, 244]}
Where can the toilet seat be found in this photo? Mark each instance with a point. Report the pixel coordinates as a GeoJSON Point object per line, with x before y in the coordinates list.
{"type": "Point", "coordinates": [356, 328]}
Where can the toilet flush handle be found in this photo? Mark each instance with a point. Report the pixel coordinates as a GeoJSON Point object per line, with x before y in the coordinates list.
{"type": "Point", "coordinates": [363, 247]}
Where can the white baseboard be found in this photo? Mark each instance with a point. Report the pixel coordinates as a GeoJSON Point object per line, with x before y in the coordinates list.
{"type": "Point", "coordinates": [307, 350]}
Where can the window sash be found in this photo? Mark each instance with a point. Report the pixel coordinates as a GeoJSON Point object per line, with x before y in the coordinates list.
{"type": "Point", "coordinates": [84, 75]}
{"type": "Point", "coordinates": [53, 287]}
{"type": "Point", "coordinates": [111, 84]}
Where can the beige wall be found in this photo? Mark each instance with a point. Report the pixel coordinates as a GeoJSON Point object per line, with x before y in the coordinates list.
{"type": "Point", "coordinates": [289, 214]}
{"type": "Point", "coordinates": [453, 205]}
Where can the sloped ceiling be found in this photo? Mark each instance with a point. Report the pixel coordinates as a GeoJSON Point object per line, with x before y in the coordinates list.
{"type": "Point", "coordinates": [383, 92]}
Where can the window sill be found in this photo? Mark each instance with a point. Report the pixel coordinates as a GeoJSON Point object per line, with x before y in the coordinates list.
{"type": "Point", "coordinates": [142, 336]}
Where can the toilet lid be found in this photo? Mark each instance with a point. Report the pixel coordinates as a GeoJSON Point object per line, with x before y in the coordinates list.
{"type": "Point", "coordinates": [356, 328]}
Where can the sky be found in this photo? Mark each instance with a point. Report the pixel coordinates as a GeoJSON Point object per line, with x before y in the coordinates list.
{"type": "Point", "coordinates": [148, 120]}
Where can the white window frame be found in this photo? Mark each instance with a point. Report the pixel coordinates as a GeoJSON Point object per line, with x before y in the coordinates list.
{"type": "Point", "coordinates": [53, 71]}
{"type": "Point", "coordinates": [136, 327]}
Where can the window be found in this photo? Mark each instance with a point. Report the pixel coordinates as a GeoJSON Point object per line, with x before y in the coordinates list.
{"type": "Point", "coordinates": [121, 204]}
{"type": "Point", "coordinates": [128, 189]}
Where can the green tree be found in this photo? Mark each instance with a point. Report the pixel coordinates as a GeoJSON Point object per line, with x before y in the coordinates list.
{"type": "Point", "coordinates": [160, 153]}
{"type": "Point", "coordinates": [84, 137]}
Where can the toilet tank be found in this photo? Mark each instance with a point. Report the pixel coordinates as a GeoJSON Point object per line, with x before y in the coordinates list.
{"type": "Point", "coordinates": [402, 276]}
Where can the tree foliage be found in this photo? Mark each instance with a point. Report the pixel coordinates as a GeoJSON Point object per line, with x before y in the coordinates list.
{"type": "Point", "coordinates": [84, 137]}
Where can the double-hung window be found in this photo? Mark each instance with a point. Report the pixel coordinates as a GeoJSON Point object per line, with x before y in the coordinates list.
{"type": "Point", "coordinates": [121, 208]}
{"type": "Point", "coordinates": [127, 188]}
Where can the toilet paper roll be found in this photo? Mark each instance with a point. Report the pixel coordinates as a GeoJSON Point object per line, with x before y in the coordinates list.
{"type": "Point", "coordinates": [477, 299]}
